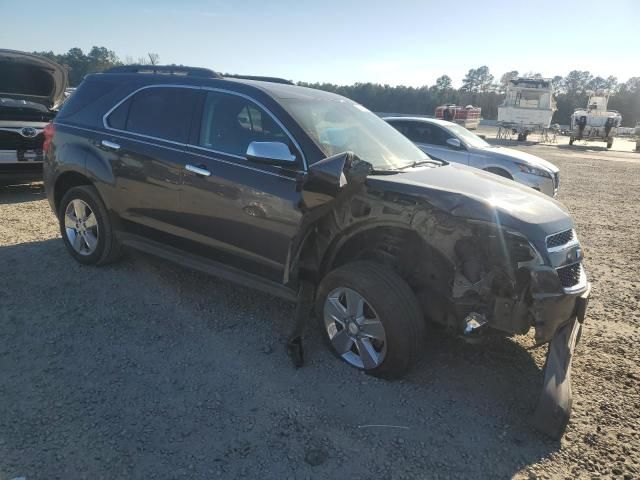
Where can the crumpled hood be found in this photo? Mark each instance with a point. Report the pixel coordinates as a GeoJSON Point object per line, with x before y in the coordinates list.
{"type": "Point", "coordinates": [32, 78]}
{"type": "Point", "coordinates": [523, 157]}
{"type": "Point", "coordinates": [475, 194]}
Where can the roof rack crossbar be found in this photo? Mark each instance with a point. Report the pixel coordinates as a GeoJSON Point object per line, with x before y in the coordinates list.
{"type": "Point", "coordinates": [165, 69]}
{"type": "Point", "coordinates": [262, 79]}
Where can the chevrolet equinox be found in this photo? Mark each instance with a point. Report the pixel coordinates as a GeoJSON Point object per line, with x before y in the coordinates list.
{"type": "Point", "coordinates": [309, 196]}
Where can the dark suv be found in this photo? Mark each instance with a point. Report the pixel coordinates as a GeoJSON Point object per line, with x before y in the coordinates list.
{"type": "Point", "coordinates": [309, 196]}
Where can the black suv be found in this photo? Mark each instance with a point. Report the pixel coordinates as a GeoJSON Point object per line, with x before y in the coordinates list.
{"type": "Point", "coordinates": [309, 196]}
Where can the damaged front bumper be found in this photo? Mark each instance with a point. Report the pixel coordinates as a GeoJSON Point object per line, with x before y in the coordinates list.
{"type": "Point", "coordinates": [554, 305]}
{"type": "Point", "coordinates": [553, 410]}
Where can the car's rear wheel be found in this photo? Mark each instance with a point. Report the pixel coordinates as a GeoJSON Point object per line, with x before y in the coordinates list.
{"type": "Point", "coordinates": [85, 227]}
{"type": "Point", "coordinates": [371, 319]}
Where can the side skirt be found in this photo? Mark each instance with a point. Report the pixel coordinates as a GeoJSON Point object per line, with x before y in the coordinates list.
{"type": "Point", "coordinates": [205, 265]}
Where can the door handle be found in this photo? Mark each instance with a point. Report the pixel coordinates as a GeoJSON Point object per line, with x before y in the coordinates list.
{"type": "Point", "coordinates": [203, 172]}
{"type": "Point", "coordinates": [110, 145]}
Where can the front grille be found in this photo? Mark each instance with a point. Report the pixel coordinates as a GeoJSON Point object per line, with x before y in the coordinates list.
{"type": "Point", "coordinates": [15, 141]}
{"type": "Point", "coordinates": [558, 239]}
{"type": "Point", "coordinates": [570, 275]}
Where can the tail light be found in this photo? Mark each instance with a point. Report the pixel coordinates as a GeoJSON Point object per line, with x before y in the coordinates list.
{"type": "Point", "coordinates": [48, 131]}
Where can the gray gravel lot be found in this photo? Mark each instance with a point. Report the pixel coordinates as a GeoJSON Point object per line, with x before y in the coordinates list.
{"type": "Point", "coordinates": [146, 370]}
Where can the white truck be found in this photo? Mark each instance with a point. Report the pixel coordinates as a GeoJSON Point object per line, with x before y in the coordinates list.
{"type": "Point", "coordinates": [527, 107]}
{"type": "Point", "coordinates": [595, 123]}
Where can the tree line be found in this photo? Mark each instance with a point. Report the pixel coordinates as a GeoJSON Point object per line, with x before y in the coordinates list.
{"type": "Point", "coordinates": [479, 88]}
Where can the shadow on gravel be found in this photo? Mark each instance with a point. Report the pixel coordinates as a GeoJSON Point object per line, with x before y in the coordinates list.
{"type": "Point", "coordinates": [504, 142]}
{"type": "Point", "coordinates": [144, 369]}
{"type": "Point", "coordinates": [580, 147]}
{"type": "Point", "coordinates": [27, 192]}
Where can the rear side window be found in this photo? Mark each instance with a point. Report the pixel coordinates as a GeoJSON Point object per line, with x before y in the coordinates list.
{"type": "Point", "coordinates": [402, 127]}
{"type": "Point", "coordinates": [160, 112]}
{"type": "Point", "coordinates": [89, 92]}
{"type": "Point", "coordinates": [423, 132]}
{"type": "Point", "coordinates": [118, 118]}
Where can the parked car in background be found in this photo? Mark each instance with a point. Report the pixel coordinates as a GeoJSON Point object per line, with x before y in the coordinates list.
{"type": "Point", "coordinates": [32, 88]}
{"type": "Point", "coordinates": [454, 143]}
{"type": "Point", "coordinates": [310, 196]}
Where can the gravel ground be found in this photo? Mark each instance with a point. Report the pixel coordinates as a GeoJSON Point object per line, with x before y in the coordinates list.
{"type": "Point", "coordinates": [145, 370]}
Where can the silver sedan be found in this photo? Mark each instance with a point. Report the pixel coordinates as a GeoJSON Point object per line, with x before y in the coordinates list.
{"type": "Point", "coordinates": [454, 143]}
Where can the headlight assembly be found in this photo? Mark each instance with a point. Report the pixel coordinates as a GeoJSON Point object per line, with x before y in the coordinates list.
{"type": "Point", "coordinates": [533, 170]}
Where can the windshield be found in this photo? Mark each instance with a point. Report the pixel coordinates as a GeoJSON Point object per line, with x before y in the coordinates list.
{"type": "Point", "coordinates": [340, 125]}
{"type": "Point", "coordinates": [470, 139]}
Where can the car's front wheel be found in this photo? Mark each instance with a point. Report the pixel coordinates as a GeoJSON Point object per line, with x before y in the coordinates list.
{"type": "Point", "coordinates": [371, 318]}
{"type": "Point", "coordinates": [86, 228]}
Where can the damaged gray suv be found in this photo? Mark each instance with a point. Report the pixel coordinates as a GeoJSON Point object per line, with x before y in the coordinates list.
{"type": "Point", "coordinates": [311, 197]}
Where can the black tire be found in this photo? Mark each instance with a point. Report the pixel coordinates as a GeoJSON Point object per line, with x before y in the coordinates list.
{"type": "Point", "coordinates": [396, 306]}
{"type": "Point", "coordinates": [521, 137]}
{"type": "Point", "coordinates": [108, 248]}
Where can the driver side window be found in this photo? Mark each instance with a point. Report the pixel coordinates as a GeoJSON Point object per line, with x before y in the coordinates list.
{"type": "Point", "coordinates": [230, 123]}
{"type": "Point", "coordinates": [433, 134]}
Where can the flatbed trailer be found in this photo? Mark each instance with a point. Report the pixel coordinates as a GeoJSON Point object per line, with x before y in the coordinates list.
{"type": "Point", "coordinates": [468, 117]}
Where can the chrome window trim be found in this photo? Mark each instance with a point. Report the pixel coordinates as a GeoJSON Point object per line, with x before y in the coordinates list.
{"type": "Point", "coordinates": [266, 172]}
{"type": "Point", "coordinates": [212, 89]}
{"type": "Point", "coordinates": [123, 137]}
{"type": "Point", "coordinates": [205, 149]}
{"type": "Point", "coordinates": [242, 165]}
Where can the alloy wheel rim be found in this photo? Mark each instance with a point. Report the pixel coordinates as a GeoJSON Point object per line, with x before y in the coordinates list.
{"type": "Point", "coordinates": [354, 328]}
{"type": "Point", "coordinates": [81, 227]}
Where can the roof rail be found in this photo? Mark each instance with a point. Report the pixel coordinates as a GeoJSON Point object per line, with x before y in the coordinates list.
{"type": "Point", "coordinates": [262, 79]}
{"type": "Point", "coordinates": [165, 69]}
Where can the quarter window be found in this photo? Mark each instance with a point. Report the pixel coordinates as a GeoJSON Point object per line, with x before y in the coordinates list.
{"type": "Point", "coordinates": [230, 123]}
{"type": "Point", "coordinates": [160, 112]}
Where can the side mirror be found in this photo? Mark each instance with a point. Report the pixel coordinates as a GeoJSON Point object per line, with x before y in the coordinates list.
{"type": "Point", "coordinates": [454, 143]}
{"type": "Point", "coordinates": [334, 176]}
{"type": "Point", "coordinates": [274, 153]}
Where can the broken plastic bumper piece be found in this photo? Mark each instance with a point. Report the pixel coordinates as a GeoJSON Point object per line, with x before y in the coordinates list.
{"type": "Point", "coordinates": [554, 405]}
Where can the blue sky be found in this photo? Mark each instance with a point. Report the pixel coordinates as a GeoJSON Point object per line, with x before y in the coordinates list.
{"type": "Point", "coordinates": [395, 42]}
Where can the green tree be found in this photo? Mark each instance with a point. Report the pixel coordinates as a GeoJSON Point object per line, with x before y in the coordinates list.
{"type": "Point", "coordinates": [557, 84]}
{"type": "Point", "coordinates": [477, 80]}
{"type": "Point", "coordinates": [443, 83]}
{"type": "Point", "coordinates": [577, 82]}
{"type": "Point", "coordinates": [505, 79]}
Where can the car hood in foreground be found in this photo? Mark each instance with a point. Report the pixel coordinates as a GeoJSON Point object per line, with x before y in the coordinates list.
{"type": "Point", "coordinates": [475, 194]}
{"type": "Point", "coordinates": [518, 156]}
{"type": "Point", "coordinates": [32, 78]}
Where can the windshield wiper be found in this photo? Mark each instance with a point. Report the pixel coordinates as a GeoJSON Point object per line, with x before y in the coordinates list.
{"type": "Point", "coordinates": [386, 171]}
{"type": "Point", "coordinates": [430, 161]}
